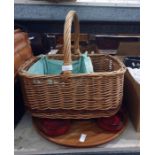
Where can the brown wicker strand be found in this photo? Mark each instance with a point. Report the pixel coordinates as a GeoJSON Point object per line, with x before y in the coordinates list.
{"type": "Point", "coordinates": [67, 37]}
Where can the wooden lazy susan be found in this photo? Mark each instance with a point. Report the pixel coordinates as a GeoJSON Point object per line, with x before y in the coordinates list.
{"type": "Point", "coordinates": [83, 133]}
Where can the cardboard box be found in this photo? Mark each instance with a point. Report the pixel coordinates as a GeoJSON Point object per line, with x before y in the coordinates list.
{"type": "Point", "coordinates": [132, 99]}
{"type": "Point", "coordinates": [131, 86]}
{"type": "Point", "coordinates": [129, 48]}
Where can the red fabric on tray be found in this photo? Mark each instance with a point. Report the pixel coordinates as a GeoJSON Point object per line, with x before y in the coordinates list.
{"type": "Point", "coordinates": [113, 123]}
{"type": "Point", "coordinates": [54, 127]}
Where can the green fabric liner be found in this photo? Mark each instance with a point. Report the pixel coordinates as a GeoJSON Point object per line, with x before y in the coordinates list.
{"type": "Point", "coordinates": [46, 66]}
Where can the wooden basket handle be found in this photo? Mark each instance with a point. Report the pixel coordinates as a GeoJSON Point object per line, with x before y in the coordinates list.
{"type": "Point", "coordinates": [67, 37]}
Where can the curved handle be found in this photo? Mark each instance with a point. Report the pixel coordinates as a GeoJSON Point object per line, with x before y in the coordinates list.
{"type": "Point", "coordinates": [67, 37]}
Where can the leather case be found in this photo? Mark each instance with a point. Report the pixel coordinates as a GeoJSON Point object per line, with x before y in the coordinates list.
{"type": "Point", "coordinates": [22, 49]}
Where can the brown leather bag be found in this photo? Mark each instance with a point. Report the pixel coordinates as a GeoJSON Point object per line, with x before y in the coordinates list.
{"type": "Point", "coordinates": [22, 49]}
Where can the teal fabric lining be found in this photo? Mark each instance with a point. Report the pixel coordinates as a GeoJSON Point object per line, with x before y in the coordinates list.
{"type": "Point", "coordinates": [45, 66]}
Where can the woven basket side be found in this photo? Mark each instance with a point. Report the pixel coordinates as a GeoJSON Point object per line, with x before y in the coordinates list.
{"type": "Point", "coordinates": [81, 92]}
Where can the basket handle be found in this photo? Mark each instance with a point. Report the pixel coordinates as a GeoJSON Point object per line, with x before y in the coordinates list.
{"type": "Point", "coordinates": [67, 40]}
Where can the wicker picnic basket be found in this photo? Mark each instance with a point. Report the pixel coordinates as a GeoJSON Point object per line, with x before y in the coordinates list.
{"type": "Point", "coordinates": [74, 96]}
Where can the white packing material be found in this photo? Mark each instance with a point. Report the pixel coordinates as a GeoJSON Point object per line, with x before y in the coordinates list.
{"type": "Point", "coordinates": [135, 73]}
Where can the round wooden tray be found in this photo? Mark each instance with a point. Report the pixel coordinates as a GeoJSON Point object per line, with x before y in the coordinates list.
{"type": "Point", "coordinates": [94, 135]}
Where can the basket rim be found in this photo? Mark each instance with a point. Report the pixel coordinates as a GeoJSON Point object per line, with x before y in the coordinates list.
{"type": "Point", "coordinates": [23, 69]}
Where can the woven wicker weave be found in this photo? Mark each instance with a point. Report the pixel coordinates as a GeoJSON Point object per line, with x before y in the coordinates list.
{"type": "Point", "coordinates": [75, 96]}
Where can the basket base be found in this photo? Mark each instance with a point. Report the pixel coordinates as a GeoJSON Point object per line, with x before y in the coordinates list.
{"type": "Point", "coordinates": [94, 135]}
